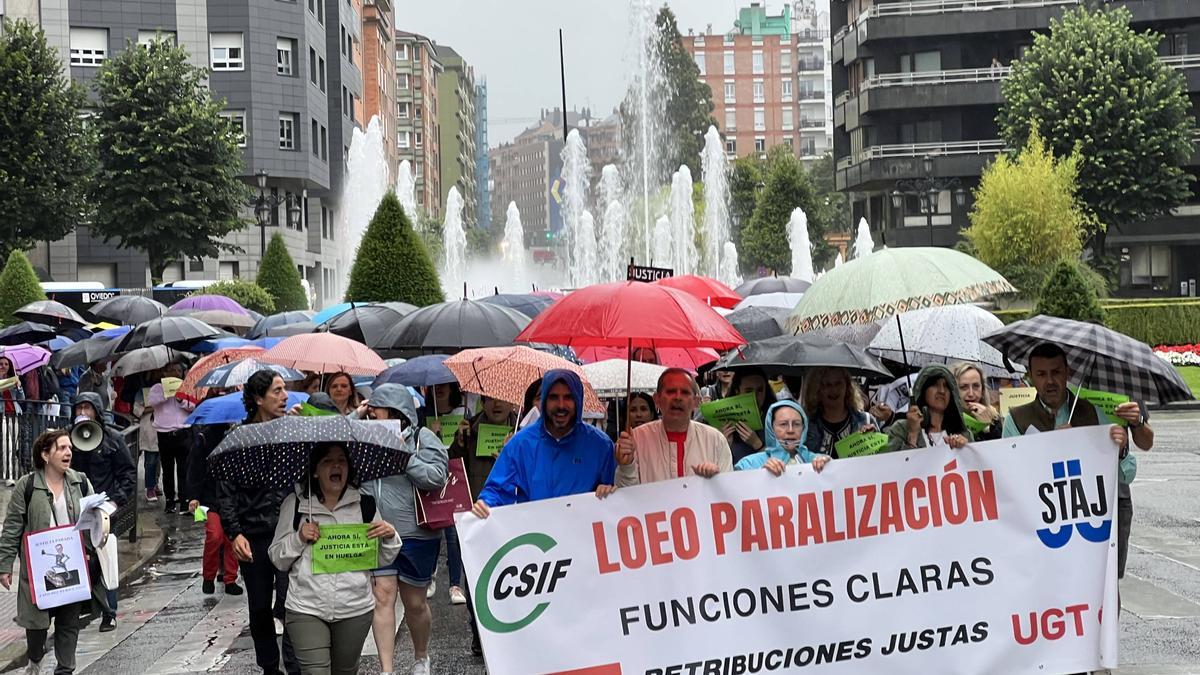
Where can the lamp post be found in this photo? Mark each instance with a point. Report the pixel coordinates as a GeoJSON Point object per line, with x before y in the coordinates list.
{"type": "Point", "coordinates": [926, 189]}
{"type": "Point", "coordinates": [265, 204]}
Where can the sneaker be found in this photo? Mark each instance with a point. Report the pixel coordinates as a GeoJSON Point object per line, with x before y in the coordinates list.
{"type": "Point", "coordinates": [108, 624]}
{"type": "Point", "coordinates": [170, 507]}
{"type": "Point", "coordinates": [432, 590]}
{"type": "Point", "coordinates": [33, 668]}
{"type": "Point", "coordinates": [151, 495]}
{"type": "Point", "coordinates": [278, 627]}
{"type": "Point", "coordinates": [208, 587]}
{"type": "Point", "coordinates": [456, 596]}
{"type": "Point", "coordinates": [421, 667]}
{"type": "Point", "coordinates": [233, 589]}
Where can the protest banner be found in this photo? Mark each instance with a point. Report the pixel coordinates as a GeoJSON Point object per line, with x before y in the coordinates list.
{"type": "Point", "coordinates": [861, 443]}
{"type": "Point", "coordinates": [57, 568]}
{"type": "Point", "coordinates": [1107, 402]}
{"type": "Point", "coordinates": [490, 439]}
{"type": "Point", "coordinates": [1011, 397]}
{"type": "Point", "coordinates": [344, 548]}
{"type": "Point", "coordinates": [449, 427]}
{"type": "Point", "coordinates": [931, 560]}
{"type": "Point", "coordinates": [741, 408]}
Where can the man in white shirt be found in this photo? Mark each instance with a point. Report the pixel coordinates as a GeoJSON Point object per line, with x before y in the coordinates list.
{"type": "Point", "coordinates": [673, 446]}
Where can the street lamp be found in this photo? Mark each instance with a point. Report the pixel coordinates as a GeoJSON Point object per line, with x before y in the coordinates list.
{"type": "Point", "coordinates": [926, 189]}
{"type": "Point", "coordinates": [265, 204]}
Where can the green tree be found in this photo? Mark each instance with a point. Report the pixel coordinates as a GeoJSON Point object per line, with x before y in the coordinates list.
{"type": "Point", "coordinates": [279, 277]}
{"type": "Point", "coordinates": [246, 293]}
{"type": "Point", "coordinates": [765, 240]}
{"type": "Point", "coordinates": [1026, 216]}
{"type": "Point", "coordinates": [1094, 86]}
{"type": "Point", "coordinates": [833, 210]}
{"type": "Point", "coordinates": [391, 263]}
{"type": "Point", "coordinates": [747, 175]}
{"type": "Point", "coordinates": [18, 287]}
{"type": "Point", "coordinates": [47, 154]}
{"type": "Point", "coordinates": [169, 163]}
{"type": "Point", "coordinates": [1068, 294]}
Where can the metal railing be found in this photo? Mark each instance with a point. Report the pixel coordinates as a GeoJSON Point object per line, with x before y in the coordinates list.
{"type": "Point", "coordinates": [946, 6]}
{"type": "Point", "coordinates": [842, 98]}
{"type": "Point", "coordinates": [810, 65]}
{"type": "Point", "coordinates": [936, 77]}
{"type": "Point", "coordinates": [811, 95]}
{"type": "Point", "coordinates": [811, 122]}
{"type": "Point", "coordinates": [948, 149]}
{"type": "Point", "coordinates": [1182, 61]}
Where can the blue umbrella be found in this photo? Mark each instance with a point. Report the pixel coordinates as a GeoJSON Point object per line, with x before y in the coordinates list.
{"type": "Point", "coordinates": [111, 333]}
{"type": "Point", "coordinates": [421, 371]}
{"type": "Point", "coordinates": [228, 409]}
{"type": "Point", "coordinates": [330, 312]}
{"type": "Point", "coordinates": [60, 342]}
{"type": "Point", "coordinates": [217, 344]}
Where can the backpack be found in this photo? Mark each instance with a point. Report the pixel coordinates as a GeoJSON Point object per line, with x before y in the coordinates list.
{"type": "Point", "coordinates": [86, 490]}
{"type": "Point", "coordinates": [365, 502]}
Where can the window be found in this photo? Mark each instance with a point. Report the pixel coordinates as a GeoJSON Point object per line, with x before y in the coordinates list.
{"type": "Point", "coordinates": [227, 270]}
{"type": "Point", "coordinates": [730, 146]}
{"type": "Point", "coordinates": [321, 12]}
{"type": "Point", "coordinates": [760, 119]}
{"type": "Point", "coordinates": [700, 62]}
{"type": "Point", "coordinates": [345, 101]}
{"type": "Point", "coordinates": [417, 109]}
{"type": "Point", "coordinates": [785, 90]}
{"type": "Point", "coordinates": [418, 137]}
{"type": "Point", "coordinates": [145, 37]}
{"type": "Point", "coordinates": [342, 40]}
{"type": "Point", "coordinates": [730, 120]}
{"type": "Point", "coordinates": [402, 81]}
{"type": "Point", "coordinates": [196, 265]}
{"type": "Point", "coordinates": [287, 131]}
{"type": "Point", "coordinates": [405, 139]}
{"type": "Point", "coordinates": [921, 62]}
{"type": "Point", "coordinates": [401, 52]}
{"type": "Point", "coordinates": [785, 61]}
{"type": "Point", "coordinates": [756, 63]}
{"type": "Point", "coordinates": [789, 119]}
{"type": "Point", "coordinates": [315, 137]}
{"type": "Point", "coordinates": [402, 110]}
{"type": "Point", "coordinates": [312, 65]}
{"type": "Point", "coordinates": [89, 46]}
{"type": "Point", "coordinates": [729, 92]}
{"type": "Point", "coordinates": [321, 71]}
{"type": "Point", "coordinates": [416, 54]}
{"type": "Point", "coordinates": [238, 118]}
{"type": "Point", "coordinates": [1178, 43]}
{"type": "Point", "coordinates": [284, 50]}
{"type": "Point", "coordinates": [758, 91]}
{"type": "Point", "coordinates": [760, 144]}
{"type": "Point", "coordinates": [729, 63]}
{"type": "Point", "coordinates": [324, 143]}
{"type": "Point", "coordinates": [225, 51]}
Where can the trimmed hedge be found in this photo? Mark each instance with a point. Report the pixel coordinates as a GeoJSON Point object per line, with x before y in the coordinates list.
{"type": "Point", "coordinates": [246, 293]}
{"type": "Point", "coordinates": [19, 286]}
{"type": "Point", "coordinates": [1175, 321]}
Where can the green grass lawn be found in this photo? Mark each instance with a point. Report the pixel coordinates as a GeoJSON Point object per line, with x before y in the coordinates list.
{"type": "Point", "coordinates": [1191, 375]}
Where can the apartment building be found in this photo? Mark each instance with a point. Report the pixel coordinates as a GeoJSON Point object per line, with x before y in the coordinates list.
{"type": "Point", "coordinates": [456, 121]}
{"type": "Point", "coordinates": [418, 131]}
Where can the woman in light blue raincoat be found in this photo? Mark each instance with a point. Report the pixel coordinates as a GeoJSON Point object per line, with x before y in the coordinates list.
{"type": "Point", "coordinates": [785, 428]}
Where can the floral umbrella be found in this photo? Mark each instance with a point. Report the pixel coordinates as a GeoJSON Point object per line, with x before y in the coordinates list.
{"type": "Point", "coordinates": [506, 372]}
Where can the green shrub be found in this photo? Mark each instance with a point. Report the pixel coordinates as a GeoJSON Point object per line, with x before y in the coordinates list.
{"type": "Point", "coordinates": [391, 264]}
{"type": "Point", "coordinates": [279, 277]}
{"type": "Point", "coordinates": [1010, 315]}
{"type": "Point", "coordinates": [1157, 323]}
{"type": "Point", "coordinates": [1067, 293]}
{"type": "Point", "coordinates": [246, 293]}
{"type": "Point", "coordinates": [18, 287]}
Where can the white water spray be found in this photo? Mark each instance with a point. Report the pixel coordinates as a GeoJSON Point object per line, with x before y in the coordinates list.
{"type": "Point", "coordinates": [863, 244]}
{"type": "Point", "coordinates": [683, 223]}
{"type": "Point", "coordinates": [454, 246]}
{"type": "Point", "coordinates": [802, 266]}
{"type": "Point", "coordinates": [715, 230]}
{"type": "Point", "coordinates": [586, 262]}
{"type": "Point", "coordinates": [406, 190]}
{"type": "Point", "coordinates": [577, 175]}
{"type": "Point", "coordinates": [515, 258]}
{"type": "Point", "coordinates": [365, 184]}
{"type": "Point", "coordinates": [662, 242]}
{"type": "Point", "coordinates": [730, 276]}
{"type": "Point", "coordinates": [612, 235]}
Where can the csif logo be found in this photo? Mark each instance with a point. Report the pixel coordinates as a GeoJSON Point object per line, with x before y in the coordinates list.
{"type": "Point", "coordinates": [497, 584]}
{"type": "Point", "coordinates": [1068, 505]}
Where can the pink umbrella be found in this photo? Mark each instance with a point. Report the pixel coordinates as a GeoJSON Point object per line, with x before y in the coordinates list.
{"type": "Point", "coordinates": [324, 353]}
{"type": "Point", "coordinates": [210, 302]}
{"type": "Point", "coordinates": [25, 358]}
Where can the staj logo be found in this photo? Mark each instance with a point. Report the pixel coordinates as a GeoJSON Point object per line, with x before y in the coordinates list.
{"type": "Point", "coordinates": [1068, 506]}
{"type": "Point", "coordinates": [530, 580]}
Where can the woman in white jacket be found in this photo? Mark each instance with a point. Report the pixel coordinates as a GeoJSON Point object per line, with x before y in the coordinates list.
{"type": "Point", "coordinates": [328, 615]}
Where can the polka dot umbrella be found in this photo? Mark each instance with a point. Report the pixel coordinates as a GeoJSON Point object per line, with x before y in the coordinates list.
{"type": "Point", "coordinates": [275, 454]}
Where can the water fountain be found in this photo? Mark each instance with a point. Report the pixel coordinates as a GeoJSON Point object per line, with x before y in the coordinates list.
{"type": "Point", "coordinates": [730, 276]}
{"type": "Point", "coordinates": [802, 267]}
{"type": "Point", "coordinates": [612, 236]}
{"type": "Point", "coordinates": [837, 262]}
{"type": "Point", "coordinates": [576, 175]}
{"type": "Point", "coordinates": [406, 189]}
{"type": "Point", "coordinates": [514, 256]}
{"type": "Point", "coordinates": [715, 230]}
{"type": "Point", "coordinates": [683, 223]}
{"type": "Point", "coordinates": [645, 166]}
{"type": "Point", "coordinates": [662, 242]}
{"type": "Point", "coordinates": [863, 244]}
{"type": "Point", "coordinates": [365, 184]}
{"type": "Point", "coordinates": [587, 265]}
{"type": "Point", "coordinates": [454, 246]}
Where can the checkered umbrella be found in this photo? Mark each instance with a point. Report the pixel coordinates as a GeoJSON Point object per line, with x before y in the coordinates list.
{"type": "Point", "coordinates": [275, 454]}
{"type": "Point", "coordinates": [1099, 358]}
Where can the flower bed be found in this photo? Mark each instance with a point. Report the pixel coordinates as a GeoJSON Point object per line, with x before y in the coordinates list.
{"type": "Point", "coordinates": [1179, 355]}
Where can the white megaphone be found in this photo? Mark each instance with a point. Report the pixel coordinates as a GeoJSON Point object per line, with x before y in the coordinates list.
{"type": "Point", "coordinates": [87, 435]}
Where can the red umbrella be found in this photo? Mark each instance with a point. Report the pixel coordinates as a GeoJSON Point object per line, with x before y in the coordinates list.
{"type": "Point", "coordinates": [190, 391]}
{"type": "Point", "coordinates": [671, 357]}
{"type": "Point", "coordinates": [324, 353]}
{"type": "Point", "coordinates": [707, 289]}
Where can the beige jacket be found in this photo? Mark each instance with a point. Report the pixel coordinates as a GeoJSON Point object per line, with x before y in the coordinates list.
{"type": "Point", "coordinates": [654, 458]}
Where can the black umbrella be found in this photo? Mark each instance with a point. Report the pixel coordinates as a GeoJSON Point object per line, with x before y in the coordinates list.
{"type": "Point", "coordinates": [368, 324]}
{"type": "Point", "coordinates": [759, 323]}
{"type": "Point", "coordinates": [275, 454]}
{"type": "Point", "coordinates": [128, 310]}
{"type": "Point", "coordinates": [527, 304]}
{"type": "Point", "coordinates": [281, 319]}
{"type": "Point", "coordinates": [26, 331]}
{"type": "Point", "coordinates": [171, 331]}
{"type": "Point", "coordinates": [84, 352]}
{"type": "Point", "coordinates": [1099, 358]}
{"type": "Point", "coordinates": [453, 326]}
{"type": "Point", "coordinates": [290, 329]}
{"type": "Point", "coordinates": [772, 285]}
{"type": "Point", "coordinates": [792, 355]}
{"type": "Point", "coordinates": [51, 313]}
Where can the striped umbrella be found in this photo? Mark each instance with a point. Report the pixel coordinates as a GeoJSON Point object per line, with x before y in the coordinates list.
{"type": "Point", "coordinates": [190, 389]}
{"type": "Point", "coordinates": [506, 372]}
{"type": "Point", "coordinates": [325, 353]}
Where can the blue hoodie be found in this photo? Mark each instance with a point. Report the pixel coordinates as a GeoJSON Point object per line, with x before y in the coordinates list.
{"type": "Point", "coordinates": [773, 449]}
{"type": "Point", "coordinates": [535, 465]}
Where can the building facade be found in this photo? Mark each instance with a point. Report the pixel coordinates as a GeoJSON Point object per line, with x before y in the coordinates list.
{"type": "Point", "coordinates": [917, 96]}
{"type": "Point", "coordinates": [276, 67]}
{"type": "Point", "coordinates": [524, 172]}
{"type": "Point", "coordinates": [769, 80]}
{"type": "Point", "coordinates": [379, 74]}
{"type": "Point", "coordinates": [456, 120]}
{"type": "Point", "coordinates": [483, 202]}
{"type": "Point", "coordinates": [417, 107]}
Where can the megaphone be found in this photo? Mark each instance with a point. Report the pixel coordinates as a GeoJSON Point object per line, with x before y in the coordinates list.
{"type": "Point", "coordinates": [87, 435]}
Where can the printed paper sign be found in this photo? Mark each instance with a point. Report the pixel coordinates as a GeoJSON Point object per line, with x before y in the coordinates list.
{"type": "Point", "coordinates": [1107, 402]}
{"type": "Point", "coordinates": [58, 571]}
{"type": "Point", "coordinates": [861, 443]}
{"type": "Point", "coordinates": [449, 427]}
{"type": "Point", "coordinates": [170, 385]}
{"type": "Point", "coordinates": [742, 408]}
{"type": "Point", "coordinates": [344, 548]}
{"type": "Point", "coordinates": [1011, 397]}
{"type": "Point", "coordinates": [490, 439]}
{"type": "Point", "coordinates": [924, 561]}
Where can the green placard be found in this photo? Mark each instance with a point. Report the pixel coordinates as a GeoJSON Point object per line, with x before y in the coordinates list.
{"type": "Point", "coordinates": [449, 427]}
{"type": "Point", "coordinates": [861, 444]}
{"type": "Point", "coordinates": [1105, 401]}
{"type": "Point", "coordinates": [490, 438]}
{"type": "Point", "coordinates": [974, 425]}
{"type": "Point", "coordinates": [309, 410]}
{"type": "Point", "coordinates": [344, 548]}
{"type": "Point", "coordinates": [742, 408]}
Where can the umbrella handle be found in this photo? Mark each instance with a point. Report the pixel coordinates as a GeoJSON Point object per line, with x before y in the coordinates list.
{"type": "Point", "coordinates": [1087, 373]}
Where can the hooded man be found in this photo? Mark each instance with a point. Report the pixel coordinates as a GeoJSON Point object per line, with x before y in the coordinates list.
{"type": "Point", "coordinates": [674, 445]}
{"type": "Point", "coordinates": [110, 470]}
{"type": "Point", "coordinates": [786, 428]}
{"type": "Point", "coordinates": [556, 456]}
{"type": "Point", "coordinates": [934, 414]}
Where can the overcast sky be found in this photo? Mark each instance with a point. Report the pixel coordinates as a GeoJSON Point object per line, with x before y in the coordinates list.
{"type": "Point", "coordinates": [514, 44]}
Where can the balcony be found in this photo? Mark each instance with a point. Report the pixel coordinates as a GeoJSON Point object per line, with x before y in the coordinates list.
{"type": "Point", "coordinates": [811, 122]}
{"type": "Point", "coordinates": [811, 95]}
{"type": "Point", "coordinates": [880, 166]}
{"type": "Point", "coordinates": [928, 18]}
{"type": "Point", "coordinates": [810, 65]}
